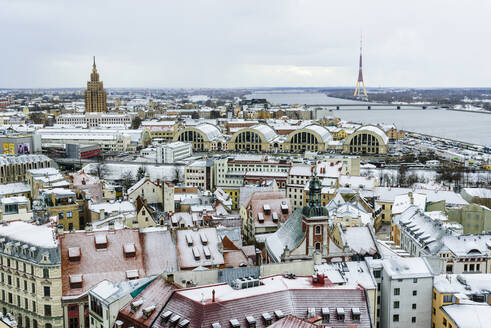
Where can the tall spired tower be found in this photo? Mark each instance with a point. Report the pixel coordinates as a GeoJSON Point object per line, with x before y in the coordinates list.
{"type": "Point", "coordinates": [360, 82]}
{"type": "Point", "coordinates": [95, 95]}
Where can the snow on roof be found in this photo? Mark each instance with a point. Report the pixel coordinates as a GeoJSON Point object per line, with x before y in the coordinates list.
{"type": "Point", "coordinates": [402, 202]}
{"type": "Point", "coordinates": [375, 130]}
{"type": "Point", "coordinates": [136, 185]}
{"type": "Point", "coordinates": [301, 170]}
{"type": "Point", "coordinates": [352, 273]}
{"type": "Point", "coordinates": [467, 245]}
{"type": "Point", "coordinates": [357, 182]}
{"type": "Point", "coordinates": [406, 267]}
{"type": "Point", "coordinates": [124, 206]}
{"type": "Point", "coordinates": [267, 131]}
{"type": "Point", "coordinates": [478, 192]}
{"type": "Point", "coordinates": [388, 194]}
{"type": "Point", "coordinates": [14, 200]}
{"type": "Point", "coordinates": [38, 235]}
{"type": "Point", "coordinates": [14, 188]}
{"type": "Point", "coordinates": [13, 159]}
{"type": "Point", "coordinates": [321, 131]}
{"type": "Point", "coordinates": [469, 315]}
{"type": "Point", "coordinates": [462, 283]}
{"type": "Point", "coordinates": [210, 131]}
{"type": "Point", "coordinates": [359, 240]}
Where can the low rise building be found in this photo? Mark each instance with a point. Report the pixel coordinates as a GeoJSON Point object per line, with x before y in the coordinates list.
{"type": "Point", "coordinates": [474, 218]}
{"type": "Point", "coordinates": [200, 174]}
{"type": "Point", "coordinates": [94, 119]}
{"type": "Point", "coordinates": [462, 300]}
{"type": "Point", "coordinates": [14, 168]}
{"type": "Point", "coordinates": [62, 204]}
{"type": "Point", "coordinates": [15, 189]}
{"type": "Point", "coordinates": [173, 152]}
{"type": "Point", "coordinates": [264, 213]}
{"type": "Point", "coordinates": [15, 208]}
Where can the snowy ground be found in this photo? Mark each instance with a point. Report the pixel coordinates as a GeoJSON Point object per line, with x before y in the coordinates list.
{"type": "Point", "coordinates": [425, 176]}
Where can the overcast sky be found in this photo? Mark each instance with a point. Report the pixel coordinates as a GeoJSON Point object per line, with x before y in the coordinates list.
{"type": "Point", "coordinates": [233, 43]}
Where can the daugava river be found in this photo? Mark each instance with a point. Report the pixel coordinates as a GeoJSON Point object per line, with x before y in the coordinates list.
{"type": "Point", "coordinates": [465, 126]}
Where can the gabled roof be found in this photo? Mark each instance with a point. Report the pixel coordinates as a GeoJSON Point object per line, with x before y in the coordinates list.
{"type": "Point", "coordinates": [290, 234]}
{"type": "Point", "coordinates": [157, 293]}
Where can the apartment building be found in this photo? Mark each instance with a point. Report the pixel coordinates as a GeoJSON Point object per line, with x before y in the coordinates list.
{"type": "Point", "coordinates": [298, 178]}
{"type": "Point", "coordinates": [406, 289]}
{"type": "Point", "coordinates": [30, 275]}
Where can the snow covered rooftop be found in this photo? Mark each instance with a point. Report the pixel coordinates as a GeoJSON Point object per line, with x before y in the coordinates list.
{"type": "Point", "coordinates": [375, 130]}
{"type": "Point", "coordinates": [406, 267]}
{"type": "Point", "coordinates": [124, 206]}
{"type": "Point", "coordinates": [38, 235]}
{"type": "Point", "coordinates": [14, 188]}
{"type": "Point", "coordinates": [469, 315]}
{"type": "Point", "coordinates": [323, 133]}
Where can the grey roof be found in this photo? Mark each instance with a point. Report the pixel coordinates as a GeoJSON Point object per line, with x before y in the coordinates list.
{"type": "Point", "coordinates": [290, 234]}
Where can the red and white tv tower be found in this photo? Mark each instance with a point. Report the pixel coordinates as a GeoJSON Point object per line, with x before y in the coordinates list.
{"type": "Point", "coordinates": [360, 82]}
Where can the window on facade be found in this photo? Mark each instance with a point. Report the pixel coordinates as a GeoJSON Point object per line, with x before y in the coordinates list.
{"type": "Point", "coordinates": [415, 292]}
{"type": "Point", "coordinates": [396, 304]}
{"type": "Point", "coordinates": [317, 230]}
{"type": "Point", "coordinates": [413, 319]}
{"type": "Point", "coordinates": [397, 291]}
{"type": "Point", "coordinates": [414, 306]}
{"type": "Point", "coordinates": [376, 273]}
{"type": "Point", "coordinates": [45, 273]}
{"type": "Point", "coordinates": [47, 291]}
{"type": "Point", "coordinates": [47, 311]}
{"type": "Point", "coordinates": [395, 318]}
{"type": "Point", "coordinates": [415, 280]}
{"type": "Point", "coordinates": [447, 298]}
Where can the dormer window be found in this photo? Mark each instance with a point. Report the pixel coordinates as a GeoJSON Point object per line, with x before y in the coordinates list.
{"type": "Point", "coordinates": [207, 252]}
{"type": "Point", "coordinates": [74, 254]}
{"type": "Point", "coordinates": [340, 314]}
{"type": "Point", "coordinates": [204, 239]}
{"type": "Point", "coordinates": [129, 250]}
{"type": "Point", "coordinates": [196, 253]}
{"type": "Point", "coordinates": [132, 274]}
{"type": "Point", "coordinates": [267, 209]}
{"type": "Point", "coordinates": [100, 241]}
{"type": "Point", "coordinates": [356, 314]}
{"type": "Point", "coordinates": [76, 281]}
{"type": "Point", "coordinates": [284, 207]}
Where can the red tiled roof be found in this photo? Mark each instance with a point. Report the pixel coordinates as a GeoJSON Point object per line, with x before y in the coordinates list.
{"type": "Point", "coordinates": [293, 297]}
{"type": "Point", "coordinates": [157, 293]}
{"type": "Point", "coordinates": [290, 321]}
{"type": "Point", "coordinates": [96, 265]}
